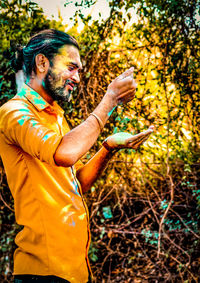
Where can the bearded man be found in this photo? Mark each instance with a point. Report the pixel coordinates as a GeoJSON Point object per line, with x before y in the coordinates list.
{"type": "Point", "coordinates": [41, 156]}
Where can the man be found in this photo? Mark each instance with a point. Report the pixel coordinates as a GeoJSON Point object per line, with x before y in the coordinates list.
{"type": "Point", "coordinates": [41, 158]}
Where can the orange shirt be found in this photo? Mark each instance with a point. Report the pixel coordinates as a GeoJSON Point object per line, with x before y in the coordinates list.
{"type": "Point", "coordinates": [47, 198]}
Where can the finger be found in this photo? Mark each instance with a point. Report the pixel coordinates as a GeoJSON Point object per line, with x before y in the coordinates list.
{"type": "Point", "coordinates": [137, 144]}
{"type": "Point", "coordinates": [151, 127]}
{"type": "Point", "coordinates": [126, 84]}
{"type": "Point", "coordinates": [126, 97]}
{"type": "Point", "coordinates": [125, 74]}
{"type": "Point", "coordinates": [129, 86]}
{"type": "Point", "coordinates": [139, 136]}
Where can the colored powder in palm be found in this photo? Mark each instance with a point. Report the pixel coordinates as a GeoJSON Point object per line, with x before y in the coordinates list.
{"type": "Point", "coordinates": [121, 137]}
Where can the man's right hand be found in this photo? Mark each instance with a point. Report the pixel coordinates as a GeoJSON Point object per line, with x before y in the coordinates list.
{"type": "Point", "coordinates": [122, 89]}
{"type": "Point", "coordinates": [72, 147]}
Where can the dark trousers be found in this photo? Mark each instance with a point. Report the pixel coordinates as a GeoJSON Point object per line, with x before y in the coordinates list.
{"type": "Point", "coordinates": [40, 279]}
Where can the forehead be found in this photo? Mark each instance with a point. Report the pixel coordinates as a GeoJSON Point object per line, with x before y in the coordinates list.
{"type": "Point", "coordinates": [68, 54]}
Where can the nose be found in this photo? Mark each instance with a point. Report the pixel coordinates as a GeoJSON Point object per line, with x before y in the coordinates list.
{"type": "Point", "coordinates": [76, 77]}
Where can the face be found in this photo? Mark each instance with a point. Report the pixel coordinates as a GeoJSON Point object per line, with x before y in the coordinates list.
{"type": "Point", "coordinates": [63, 76]}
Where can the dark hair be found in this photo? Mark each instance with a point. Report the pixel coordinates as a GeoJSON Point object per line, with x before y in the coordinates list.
{"type": "Point", "coordinates": [46, 42]}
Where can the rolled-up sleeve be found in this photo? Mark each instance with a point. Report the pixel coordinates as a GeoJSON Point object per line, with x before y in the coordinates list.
{"type": "Point", "coordinates": [78, 165]}
{"type": "Point", "coordinates": [20, 127]}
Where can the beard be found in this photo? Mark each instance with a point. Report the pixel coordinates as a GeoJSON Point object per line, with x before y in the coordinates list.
{"type": "Point", "coordinates": [57, 93]}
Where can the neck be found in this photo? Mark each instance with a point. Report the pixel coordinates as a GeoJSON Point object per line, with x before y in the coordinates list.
{"type": "Point", "coordinates": [37, 84]}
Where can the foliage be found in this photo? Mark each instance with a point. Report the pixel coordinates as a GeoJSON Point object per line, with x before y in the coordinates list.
{"type": "Point", "coordinates": [153, 234]}
{"type": "Point", "coordinates": [125, 247]}
{"type": "Point", "coordinates": [144, 210]}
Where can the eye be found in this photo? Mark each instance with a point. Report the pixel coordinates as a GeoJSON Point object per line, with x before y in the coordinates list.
{"type": "Point", "coordinates": [71, 68]}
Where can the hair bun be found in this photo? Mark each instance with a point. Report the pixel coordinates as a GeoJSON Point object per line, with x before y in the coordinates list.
{"type": "Point", "coordinates": [15, 55]}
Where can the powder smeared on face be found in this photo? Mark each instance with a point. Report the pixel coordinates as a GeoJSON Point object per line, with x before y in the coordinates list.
{"type": "Point", "coordinates": [63, 75]}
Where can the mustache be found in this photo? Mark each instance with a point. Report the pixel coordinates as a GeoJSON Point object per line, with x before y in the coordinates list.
{"type": "Point", "coordinates": [52, 77]}
{"type": "Point", "coordinates": [70, 82]}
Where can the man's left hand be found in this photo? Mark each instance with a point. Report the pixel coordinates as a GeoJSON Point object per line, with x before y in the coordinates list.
{"type": "Point", "coordinates": [126, 140]}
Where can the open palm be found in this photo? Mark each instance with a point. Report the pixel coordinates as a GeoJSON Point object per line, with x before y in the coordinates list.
{"type": "Point", "coordinates": [127, 140]}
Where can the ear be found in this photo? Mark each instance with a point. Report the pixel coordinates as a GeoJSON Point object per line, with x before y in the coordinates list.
{"type": "Point", "coordinates": [41, 63]}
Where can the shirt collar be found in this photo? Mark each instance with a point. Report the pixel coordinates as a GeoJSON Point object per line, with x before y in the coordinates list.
{"type": "Point", "coordinates": [38, 101]}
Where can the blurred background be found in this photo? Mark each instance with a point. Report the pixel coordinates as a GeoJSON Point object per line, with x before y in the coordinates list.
{"type": "Point", "coordinates": [144, 210]}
